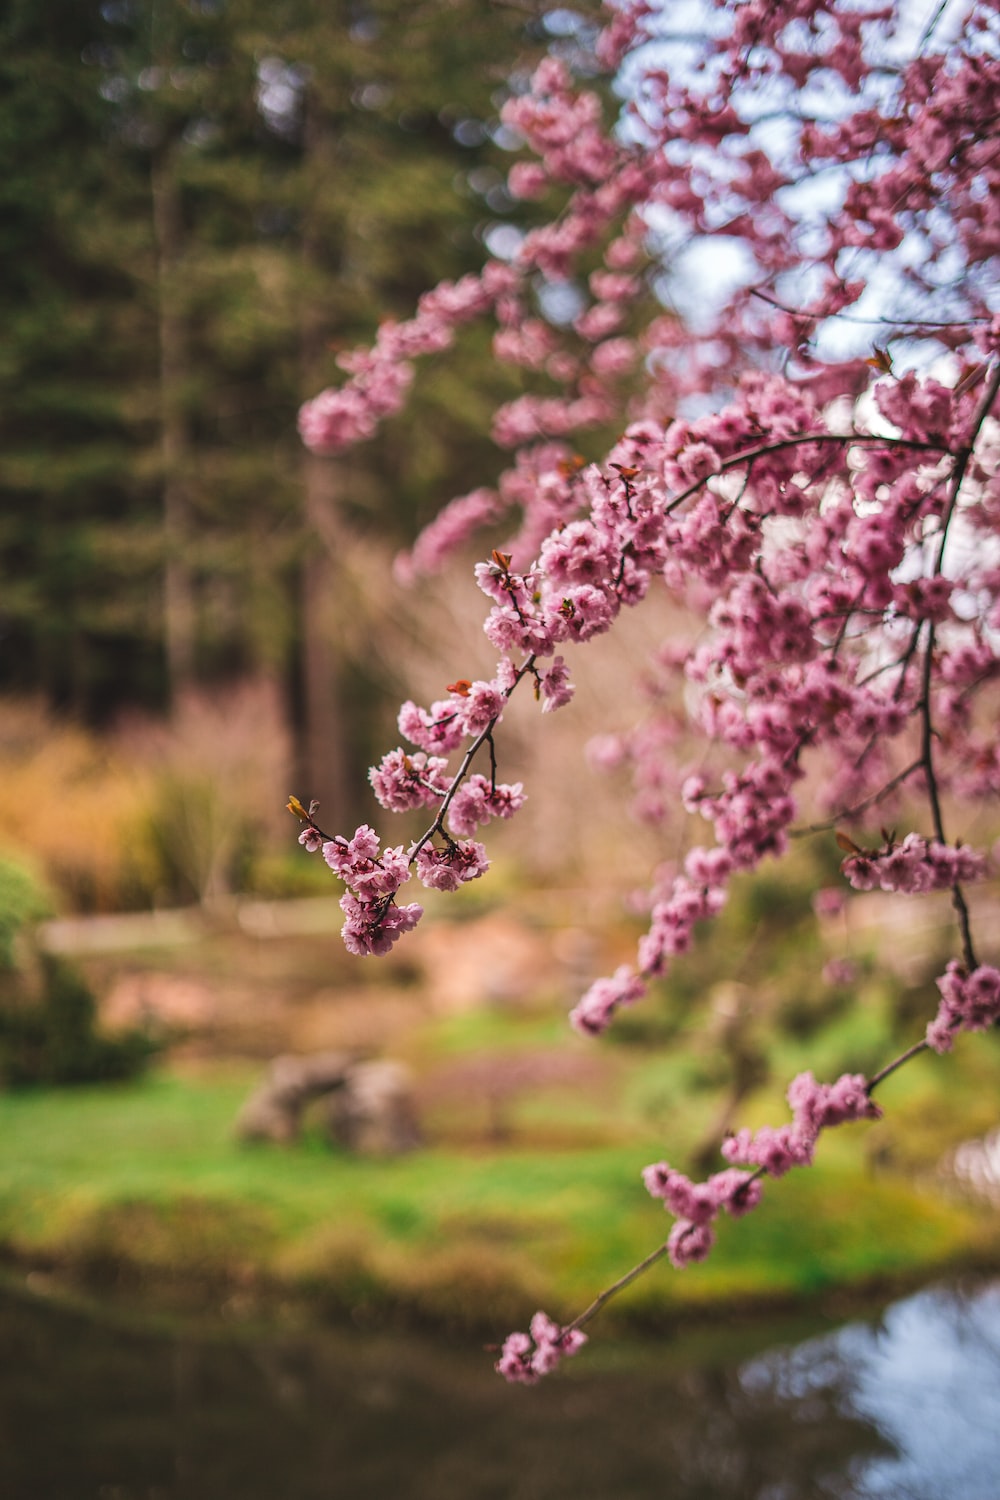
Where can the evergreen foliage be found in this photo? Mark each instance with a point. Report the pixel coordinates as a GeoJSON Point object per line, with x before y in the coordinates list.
{"type": "Point", "coordinates": [208, 202]}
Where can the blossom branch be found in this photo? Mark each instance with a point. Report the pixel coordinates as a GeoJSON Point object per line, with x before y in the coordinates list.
{"type": "Point", "coordinates": [822, 564]}
{"type": "Point", "coordinates": [799, 440]}
{"type": "Point", "coordinates": [816, 1106]}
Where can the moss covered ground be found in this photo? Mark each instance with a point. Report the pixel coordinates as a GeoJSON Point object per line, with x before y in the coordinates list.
{"type": "Point", "coordinates": [145, 1185]}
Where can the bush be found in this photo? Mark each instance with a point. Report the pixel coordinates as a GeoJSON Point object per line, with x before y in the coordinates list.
{"type": "Point", "coordinates": [48, 1015]}
{"type": "Point", "coordinates": [22, 901]}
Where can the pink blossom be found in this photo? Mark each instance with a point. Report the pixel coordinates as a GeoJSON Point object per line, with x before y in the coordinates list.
{"type": "Point", "coordinates": [449, 531]}
{"type": "Point", "coordinates": [577, 554]}
{"type": "Point", "coordinates": [527, 179]}
{"type": "Point", "coordinates": [405, 781]}
{"type": "Point", "coordinates": [555, 687]}
{"type": "Point", "coordinates": [914, 866]}
{"type": "Point", "coordinates": [816, 1107]}
{"type": "Point", "coordinates": [821, 511]}
{"type": "Point", "coordinates": [606, 752]}
{"type": "Point", "coordinates": [582, 612]}
{"type": "Point", "coordinates": [596, 1008]}
{"type": "Point", "coordinates": [737, 1192]}
{"type": "Point", "coordinates": [372, 927]}
{"type": "Point", "coordinates": [614, 357]}
{"type": "Point", "coordinates": [969, 1002]}
{"type": "Point", "coordinates": [775, 1149]}
{"type": "Point", "coordinates": [478, 801]}
{"type": "Point", "coordinates": [448, 868]}
{"type": "Point", "coordinates": [368, 870]}
{"type": "Point", "coordinates": [441, 727]}
{"type": "Point", "coordinates": [599, 322]}
{"type": "Point", "coordinates": [689, 1243]}
{"type": "Point", "coordinates": [526, 1357]}
{"type": "Point", "coordinates": [482, 705]}
{"type": "Point", "coordinates": [685, 1199]}
{"type": "Point", "coordinates": [839, 971]}
{"type": "Point", "coordinates": [828, 902]}
{"type": "Point", "coordinates": [697, 1205]}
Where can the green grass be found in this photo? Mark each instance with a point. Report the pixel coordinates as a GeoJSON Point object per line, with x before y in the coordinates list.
{"type": "Point", "coordinates": [147, 1180]}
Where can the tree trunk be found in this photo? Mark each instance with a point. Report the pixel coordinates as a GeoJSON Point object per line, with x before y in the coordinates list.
{"type": "Point", "coordinates": [175, 436]}
{"type": "Point", "coordinates": [322, 751]}
{"type": "Point", "coordinates": [323, 754]}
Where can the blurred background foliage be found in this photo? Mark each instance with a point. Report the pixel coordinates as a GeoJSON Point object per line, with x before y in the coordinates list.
{"type": "Point", "coordinates": [48, 1013]}
{"type": "Point", "coordinates": [206, 201]}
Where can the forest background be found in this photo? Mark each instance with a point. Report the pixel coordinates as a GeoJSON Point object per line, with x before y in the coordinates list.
{"type": "Point", "coordinates": [205, 203]}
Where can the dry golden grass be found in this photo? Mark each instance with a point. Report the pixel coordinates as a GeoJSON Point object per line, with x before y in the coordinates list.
{"type": "Point", "coordinates": [155, 813]}
{"type": "Point", "coordinates": [70, 805]}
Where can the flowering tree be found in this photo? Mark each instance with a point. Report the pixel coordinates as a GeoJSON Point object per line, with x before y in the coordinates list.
{"type": "Point", "coordinates": [808, 463]}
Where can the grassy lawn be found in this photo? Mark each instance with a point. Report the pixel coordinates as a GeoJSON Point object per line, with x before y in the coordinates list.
{"type": "Point", "coordinates": [146, 1181]}
{"type": "Point", "coordinates": [527, 1191]}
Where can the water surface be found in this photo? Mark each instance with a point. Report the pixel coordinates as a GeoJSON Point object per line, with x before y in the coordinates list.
{"type": "Point", "coordinates": [903, 1405]}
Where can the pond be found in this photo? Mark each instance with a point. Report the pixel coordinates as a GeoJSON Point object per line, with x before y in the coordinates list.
{"type": "Point", "coordinates": [905, 1404]}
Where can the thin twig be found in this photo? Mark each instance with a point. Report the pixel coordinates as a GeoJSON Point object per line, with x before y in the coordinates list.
{"type": "Point", "coordinates": [880, 322]}
{"type": "Point", "coordinates": [618, 1286]}
{"type": "Point", "coordinates": [897, 1062]}
{"type": "Point", "coordinates": [483, 738]}
{"type": "Point", "coordinates": [801, 440]}
{"type": "Point", "coordinates": [860, 807]}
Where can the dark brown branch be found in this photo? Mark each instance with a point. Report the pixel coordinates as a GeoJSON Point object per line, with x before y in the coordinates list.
{"type": "Point", "coordinates": [802, 440]}
{"type": "Point", "coordinates": [850, 813]}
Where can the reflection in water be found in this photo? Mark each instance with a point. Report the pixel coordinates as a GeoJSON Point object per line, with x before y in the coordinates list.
{"type": "Point", "coordinates": [907, 1407]}
{"type": "Point", "coordinates": [927, 1376]}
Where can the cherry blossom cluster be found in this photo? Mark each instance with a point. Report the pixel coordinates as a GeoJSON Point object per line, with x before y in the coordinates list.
{"type": "Point", "coordinates": [696, 1205]}
{"type": "Point", "coordinates": [771, 1151]}
{"type": "Point", "coordinates": [373, 920]}
{"type": "Point", "coordinates": [914, 866]}
{"type": "Point", "coordinates": [808, 135]}
{"type": "Point", "coordinates": [526, 1357]}
{"type": "Point", "coordinates": [969, 1002]}
{"type": "Point", "coordinates": [808, 465]}
{"type": "Point", "coordinates": [380, 377]}
{"type": "Point", "coordinates": [406, 780]}
{"type": "Point", "coordinates": [815, 1107]}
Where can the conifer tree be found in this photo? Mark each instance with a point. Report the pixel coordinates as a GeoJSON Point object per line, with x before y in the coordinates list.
{"type": "Point", "coordinates": [217, 198]}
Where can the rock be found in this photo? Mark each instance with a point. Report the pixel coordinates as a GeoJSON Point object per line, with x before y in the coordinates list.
{"type": "Point", "coordinates": [375, 1113]}
{"type": "Point", "coordinates": [370, 1108]}
{"type": "Point", "coordinates": [274, 1110]}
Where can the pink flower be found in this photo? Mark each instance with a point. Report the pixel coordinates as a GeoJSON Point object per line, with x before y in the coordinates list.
{"type": "Point", "coordinates": [914, 866]}
{"type": "Point", "coordinates": [689, 1243]}
{"type": "Point", "coordinates": [594, 1011]}
{"type": "Point", "coordinates": [477, 802]}
{"type": "Point", "coordinates": [614, 357]}
{"type": "Point", "coordinates": [438, 728]}
{"type": "Point", "coordinates": [366, 870]}
{"type": "Point", "coordinates": [828, 902]}
{"type": "Point", "coordinates": [482, 704]}
{"type": "Point", "coordinates": [526, 1357]}
{"type": "Point", "coordinates": [448, 868]}
{"type": "Point", "coordinates": [839, 971]}
{"type": "Point", "coordinates": [527, 179]}
{"type": "Point", "coordinates": [969, 1002]}
{"type": "Point", "coordinates": [405, 781]}
{"type": "Point", "coordinates": [555, 687]}
{"type": "Point", "coordinates": [685, 1199]}
{"type": "Point", "coordinates": [372, 927]}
